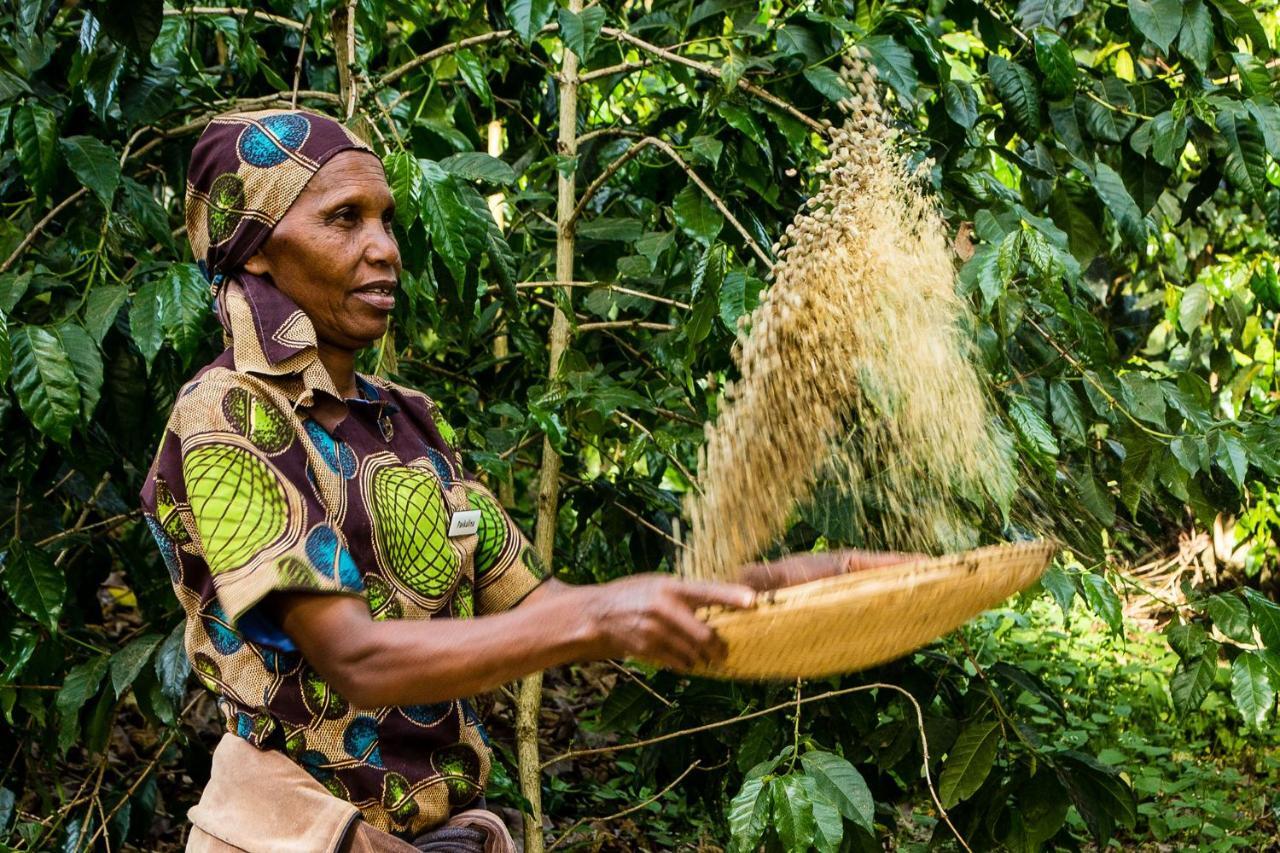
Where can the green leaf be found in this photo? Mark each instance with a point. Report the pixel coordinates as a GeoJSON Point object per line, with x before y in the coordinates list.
{"type": "Point", "coordinates": [1187, 639]}
{"type": "Point", "coordinates": [1191, 681]}
{"type": "Point", "coordinates": [739, 295]}
{"type": "Point", "coordinates": [1195, 41]}
{"type": "Point", "coordinates": [45, 381]}
{"type": "Point", "coordinates": [707, 149]}
{"type": "Point", "coordinates": [529, 16]}
{"type": "Point", "coordinates": [961, 102]}
{"type": "Point", "coordinates": [696, 215]}
{"type": "Point", "coordinates": [580, 31]}
{"type": "Point", "coordinates": [1111, 190]}
{"type": "Point", "coordinates": [133, 23]}
{"type": "Point", "coordinates": [1266, 617]}
{"type": "Point", "coordinates": [172, 664]}
{"type": "Point", "coordinates": [1158, 20]}
{"type": "Point", "coordinates": [741, 120]}
{"type": "Point", "coordinates": [895, 66]}
{"type": "Point", "coordinates": [1054, 58]}
{"type": "Point", "coordinates": [101, 307]}
{"type": "Point", "coordinates": [1246, 152]}
{"type": "Point", "coordinates": [477, 166]}
{"type": "Point", "coordinates": [78, 687]}
{"type": "Point", "coordinates": [6, 350]}
{"type": "Point", "coordinates": [1243, 22]}
{"type": "Point", "coordinates": [828, 825]}
{"type": "Point", "coordinates": [1095, 497]}
{"type": "Point", "coordinates": [95, 164]}
{"type": "Point", "coordinates": [1060, 586]}
{"type": "Point", "coordinates": [969, 762]}
{"type": "Point", "coordinates": [405, 179]}
{"type": "Point", "coordinates": [1068, 414]}
{"type": "Point", "coordinates": [129, 661]}
{"type": "Point", "coordinates": [827, 83]}
{"type": "Point", "coordinates": [450, 222]}
{"type": "Point", "coordinates": [85, 360]}
{"type": "Point", "coordinates": [1193, 307]}
{"type": "Point", "coordinates": [1231, 616]}
{"type": "Point", "coordinates": [1112, 119]}
{"type": "Point", "coordinates": [840, 782]}
{"type": "Point", "coordinates": [35, 584]}
{"type": "Point", "coordinates": [474, 75]}
{"type": "Point", "coordinates": [610, 228]}
{"type": "Point", "coordinates": [748, 812]}
{"type": "Point", "coordinates": [1233, 458]}
{"type": "Point", "coordinates": [1032, 427]}
{"type": "Point", "coordinates": [1017, 90]}
{"type": "Point", "coordinates": [792, 813]}
{"type": "Point", "coordinates": [1251, 688]}
{"type": "Point", "coordinates": [35, 134]}
{"type": "Point", "coordinates": [1098, 792]}
{"type": "Point", "coordinates": [1103, 601]}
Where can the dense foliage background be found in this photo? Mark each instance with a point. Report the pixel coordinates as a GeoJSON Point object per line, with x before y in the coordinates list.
{"type": "Point", "coordinates": [1110, 172]}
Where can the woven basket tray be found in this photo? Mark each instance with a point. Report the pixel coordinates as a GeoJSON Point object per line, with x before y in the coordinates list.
{"type": "Point", "coordinates": [859, 620]}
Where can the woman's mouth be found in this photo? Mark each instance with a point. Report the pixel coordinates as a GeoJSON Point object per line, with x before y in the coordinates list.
{"type": "Point", "coordinates": [380, 296]}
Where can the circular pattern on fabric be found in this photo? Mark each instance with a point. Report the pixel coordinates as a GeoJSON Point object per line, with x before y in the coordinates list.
{"type": "Point", "coordinates": [360, 741]}
{"type": "Point", "coordinates": [533, 562]}
{"type": "Point", "coordinates": [410, 529]}
{"type": "Point", "coordinates": [337, 455]}
{"type": "Point", "coordinates": [168, 550]}
{"type": "Point", "coordinates": [238, 503]}
{"type": "Point", "coordinates": [269, 142]}
{"type": "Point", "coordinates": [459, 767]}
{"type": "Point", "coordinates": [426, 715]}
{"type": "Point", "coordinates": [320, 699]}
{"type": "Point", "coordinates": [209, 673]}
{"type": "Point", "coordinates": [222, 634]}
{"type": "Point", "coordinates": [257, 420]}
{"type": "Point", "coordinates": [463, 603]}
{"type": "Point", "coordinates": [331, 559]}
{"type": "Point", "coordinates": [225, 208]}
{"type": "Point", "coordinates": [491, 532]}
{"type": "Point", "coordinates": [397, 798]}
{"type": "Point", "coordinates": [381, 598]}
{"type": "Point", "coordinates": [168, 513]}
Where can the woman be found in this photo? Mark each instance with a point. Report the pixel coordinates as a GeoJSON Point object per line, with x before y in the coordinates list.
{"type": "Point", "coordinates": [320, 531]}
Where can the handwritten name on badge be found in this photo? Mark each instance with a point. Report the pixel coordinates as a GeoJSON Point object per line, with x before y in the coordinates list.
{"type": "Point", "coordinates": [464, 523]}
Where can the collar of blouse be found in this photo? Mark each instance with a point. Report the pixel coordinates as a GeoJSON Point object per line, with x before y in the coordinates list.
{"type": "Point", "coordinates": [269, 335]}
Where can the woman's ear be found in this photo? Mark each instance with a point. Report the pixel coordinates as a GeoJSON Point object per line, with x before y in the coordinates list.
{"type": "Point", "coordinates": [258, 265]}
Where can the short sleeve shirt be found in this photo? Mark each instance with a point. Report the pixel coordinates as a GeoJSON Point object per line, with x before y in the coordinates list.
{"type": "Point", "coordinates": [257, 487]}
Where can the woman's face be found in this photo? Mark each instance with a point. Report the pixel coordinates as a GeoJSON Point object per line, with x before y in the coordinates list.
{"type": "Point", "coordinates": [334, 252]}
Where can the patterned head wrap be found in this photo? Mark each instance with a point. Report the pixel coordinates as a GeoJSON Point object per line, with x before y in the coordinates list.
{"type": "Point", "coordinates": [246, 172]}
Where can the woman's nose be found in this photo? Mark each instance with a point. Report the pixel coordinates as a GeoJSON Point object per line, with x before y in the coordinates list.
{"type": "Point", "coordinates": [381, 247]}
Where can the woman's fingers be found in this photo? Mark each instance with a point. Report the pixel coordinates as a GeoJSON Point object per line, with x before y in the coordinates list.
{"type": "Point", "coordinates": [857, 561]}
{"type": "Point", "coordinates": [708, 593]}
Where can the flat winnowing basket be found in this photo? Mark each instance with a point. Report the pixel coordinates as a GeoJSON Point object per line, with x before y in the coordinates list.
{"type": "Point", "coordinates": [855, 621]}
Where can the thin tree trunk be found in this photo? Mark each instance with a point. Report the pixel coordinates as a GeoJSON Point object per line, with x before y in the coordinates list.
{"type": "Point", "coordinates": [498, 209]}
{"type": "Point", "coordinates": [530, 700]}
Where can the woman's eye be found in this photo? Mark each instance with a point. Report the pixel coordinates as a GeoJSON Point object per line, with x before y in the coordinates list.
{"type": "Point", "coordinates": [344, 215]}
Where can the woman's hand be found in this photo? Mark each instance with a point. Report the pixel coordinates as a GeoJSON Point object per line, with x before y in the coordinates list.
{"type": "Point", "coordinates": [802, 568]}
{"type": "Point", "coordinates": [652, 617]}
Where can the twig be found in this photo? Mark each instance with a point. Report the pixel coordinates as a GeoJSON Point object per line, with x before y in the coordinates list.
{"type": "Point", "coordinates": [661, 145]}
{"type": "Point", "coordinates": [625, 324]}
{"type": "Point", "coordinates": [601, 285]}
{"type": "Point", "coordinates": [606, 286]}
{"type": "Point", "coordinates": [234, 10]}
{"type": "Point", "coordinates": [430, 56]}
{"type": "Point", "coordinates": [644, 521]}
{"type": "Point", "coordinates": [688, 475]}
{"type": "Point", "coordinates": [81, 528]}
{"type": "Point", "coordinates": [607, 131]}
{"type": "Point", "coordinates": [1093, 96]}
{"type": "Point", "coordinates": [146, 771]}
{"type": "Point", "coordinates": [297, 65]}
{"type": "Point", "coordinates": [1097, 386]}
{"type": "Point", "coordinates": [84, 513]}
{"type": "Point", "coordinates": [712, 71]}
{"type": "Point", "coordinates": [629, 810]}
{"type": "Point", "coordinates": [639, 682]}
{"type": "Point", "coordinates": [620, 68]}
{"type": "Point", "coordinates": [830, 694]}
{"type": "Point", "coordinates": [40, 226]}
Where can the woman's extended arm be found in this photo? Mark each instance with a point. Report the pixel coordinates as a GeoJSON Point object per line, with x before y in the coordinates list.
{"type": "Point", "coordinates": [410, 661]}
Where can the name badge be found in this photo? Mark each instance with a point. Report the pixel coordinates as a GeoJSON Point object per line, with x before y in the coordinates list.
{"type": "Point", "coordinates": [464, 523]}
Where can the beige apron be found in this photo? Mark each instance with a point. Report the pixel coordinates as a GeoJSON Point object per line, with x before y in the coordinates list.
{"type": "Point", "coordinates": [260, 801]}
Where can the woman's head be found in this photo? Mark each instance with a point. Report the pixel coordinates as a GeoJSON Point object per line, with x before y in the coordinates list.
{"type": "Point", "coordinates": [295, 198]}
